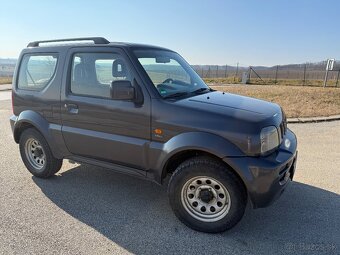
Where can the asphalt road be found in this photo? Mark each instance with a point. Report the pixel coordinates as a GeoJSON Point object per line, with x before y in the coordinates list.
{"type": "Point", "coordinates": [90, 210]}
{"type": "Point", "coordinates": [5, 95]}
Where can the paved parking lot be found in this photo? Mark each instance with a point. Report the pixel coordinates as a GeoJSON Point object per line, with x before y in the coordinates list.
{"type": "Point", "coordinates": [90, 210]}
{"type": "Point", "coordinates": [5, 95]}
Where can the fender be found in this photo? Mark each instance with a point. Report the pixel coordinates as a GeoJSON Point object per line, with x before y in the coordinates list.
{"type": "Point", "coordinates": [51, 132]}
{"type": "Point", "coordinates": [160, 153]}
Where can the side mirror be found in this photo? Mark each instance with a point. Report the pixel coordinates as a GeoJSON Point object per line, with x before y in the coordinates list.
{"type": "Point", "coordinates": [122, 90]}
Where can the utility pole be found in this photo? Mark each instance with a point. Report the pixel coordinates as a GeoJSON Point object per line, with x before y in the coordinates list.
{"type": "Point", "coordinates": [217, 71]}
{"type": "Point", "coordinates": [226, 70]}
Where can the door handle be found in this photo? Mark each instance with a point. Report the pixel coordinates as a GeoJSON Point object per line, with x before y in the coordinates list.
{"type": "Point", "coordinates": [71, 108]}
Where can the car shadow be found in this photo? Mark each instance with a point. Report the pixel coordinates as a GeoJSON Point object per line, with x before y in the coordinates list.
{"type": "Point", "coordinates": [136, 215]}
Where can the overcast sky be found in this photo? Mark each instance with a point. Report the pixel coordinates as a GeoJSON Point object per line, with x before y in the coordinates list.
{"type": "Point", "coordinates": [204, 32]}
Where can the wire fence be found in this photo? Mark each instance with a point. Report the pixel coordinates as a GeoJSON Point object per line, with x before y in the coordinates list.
{"type": "Point", "coordinates": [311, 74]}
{"type": "Point", "coordinates": [6, 70]}
{"type": "Point", "coordinates": [307, 74]}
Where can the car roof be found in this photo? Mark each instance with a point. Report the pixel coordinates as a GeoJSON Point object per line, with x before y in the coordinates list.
{"type": "Point", "coordinates": [81, 42]}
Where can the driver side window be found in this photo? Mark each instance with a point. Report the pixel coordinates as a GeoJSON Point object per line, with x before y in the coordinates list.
{"type": "Point", "coordinates": [92, 73]}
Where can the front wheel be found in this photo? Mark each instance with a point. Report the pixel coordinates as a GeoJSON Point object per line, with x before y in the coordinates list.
{"type": "Point", "coordinates": [206, 195]}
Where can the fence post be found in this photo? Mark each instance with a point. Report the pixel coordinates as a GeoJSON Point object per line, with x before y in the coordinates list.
{"type": "Point", "coordinates": [304, 74]}
{"type": "Point", "coordinates": [277, 70]}
{"type": "Point", "coordinates": [236, 72]}
{"type": "Point", "coordinates": [249, 70]}
{"type": "Point", "coordinates": [326, 75]}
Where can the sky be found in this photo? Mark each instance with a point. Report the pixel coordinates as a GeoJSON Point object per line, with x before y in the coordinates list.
{"type": "Point", "coordinates": [253, 32]}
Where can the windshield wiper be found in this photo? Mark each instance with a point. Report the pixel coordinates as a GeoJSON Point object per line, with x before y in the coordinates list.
{"type": "Point", "coordinates": [197, 91]}
{"type": "Point", "coordinates": [177, 94]}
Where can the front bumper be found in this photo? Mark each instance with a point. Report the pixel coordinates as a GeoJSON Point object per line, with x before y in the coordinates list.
{"type": "Point", "coordinates": [267, 177]}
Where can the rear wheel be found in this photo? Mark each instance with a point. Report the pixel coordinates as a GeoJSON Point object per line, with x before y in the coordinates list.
{"type": "Point", "coordinates": [206, 195]}
{"type": "Point", "coordinates": [36, 154]}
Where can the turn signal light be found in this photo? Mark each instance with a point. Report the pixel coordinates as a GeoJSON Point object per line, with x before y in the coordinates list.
{"type": "Point", "coordinates": [158, 131]}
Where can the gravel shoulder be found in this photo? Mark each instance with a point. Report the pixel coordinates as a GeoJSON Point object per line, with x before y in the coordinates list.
{"type": "Point", "coordinates": [90, 210]}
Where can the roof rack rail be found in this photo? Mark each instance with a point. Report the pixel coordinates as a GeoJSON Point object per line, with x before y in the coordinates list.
{"type": "Point", "coordinates": [96, 40]}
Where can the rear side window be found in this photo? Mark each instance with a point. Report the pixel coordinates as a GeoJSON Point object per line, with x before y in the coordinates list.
{"type": "Point", "coordinates": [36, 71]}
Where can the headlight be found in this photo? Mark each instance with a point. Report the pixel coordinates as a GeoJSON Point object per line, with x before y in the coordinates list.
{"type": "Point", "coordinates": [269, 139]}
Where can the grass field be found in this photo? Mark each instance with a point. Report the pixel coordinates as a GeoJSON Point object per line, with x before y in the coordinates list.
{"type": "Point", "coordinates": [288, 82]}
{"type": "Point", "coordinates": [5, 80]}
{"type": "Point", "coordinates": [297, 101]}
{"type": "Point", "coordinates": [232, 80]}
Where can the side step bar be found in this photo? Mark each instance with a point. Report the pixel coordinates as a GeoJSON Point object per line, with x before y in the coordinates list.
{"type": "Point", "coordinates": [115, 167]}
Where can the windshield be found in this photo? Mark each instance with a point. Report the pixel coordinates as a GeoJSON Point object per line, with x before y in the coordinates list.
{"type": "Point", "coordinates": [170, 73]}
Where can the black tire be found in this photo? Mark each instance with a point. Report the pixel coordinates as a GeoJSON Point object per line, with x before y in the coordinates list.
{"type": "Point", "coordinates": [51, 164]}
{"type": "Point", "coordinates": [205, 166]}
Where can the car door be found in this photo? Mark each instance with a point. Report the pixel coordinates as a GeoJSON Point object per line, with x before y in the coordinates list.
{"type": "Point", "coordinates": [94, 125]}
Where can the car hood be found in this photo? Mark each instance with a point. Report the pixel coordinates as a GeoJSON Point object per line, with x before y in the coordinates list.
{"type": "Point", "coordinates": [238, 119]}
{"type": "Point", "coordinates": [233, 102]}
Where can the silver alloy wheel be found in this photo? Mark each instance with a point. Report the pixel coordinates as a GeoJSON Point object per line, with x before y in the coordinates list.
{"type": "Point", "coordinates": [35, 153]}
{"type": "Point", "coordinates": [205, 199]}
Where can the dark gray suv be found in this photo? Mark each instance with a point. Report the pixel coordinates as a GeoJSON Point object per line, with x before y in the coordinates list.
{"type": "Point", "coordinates": [142, 110]}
